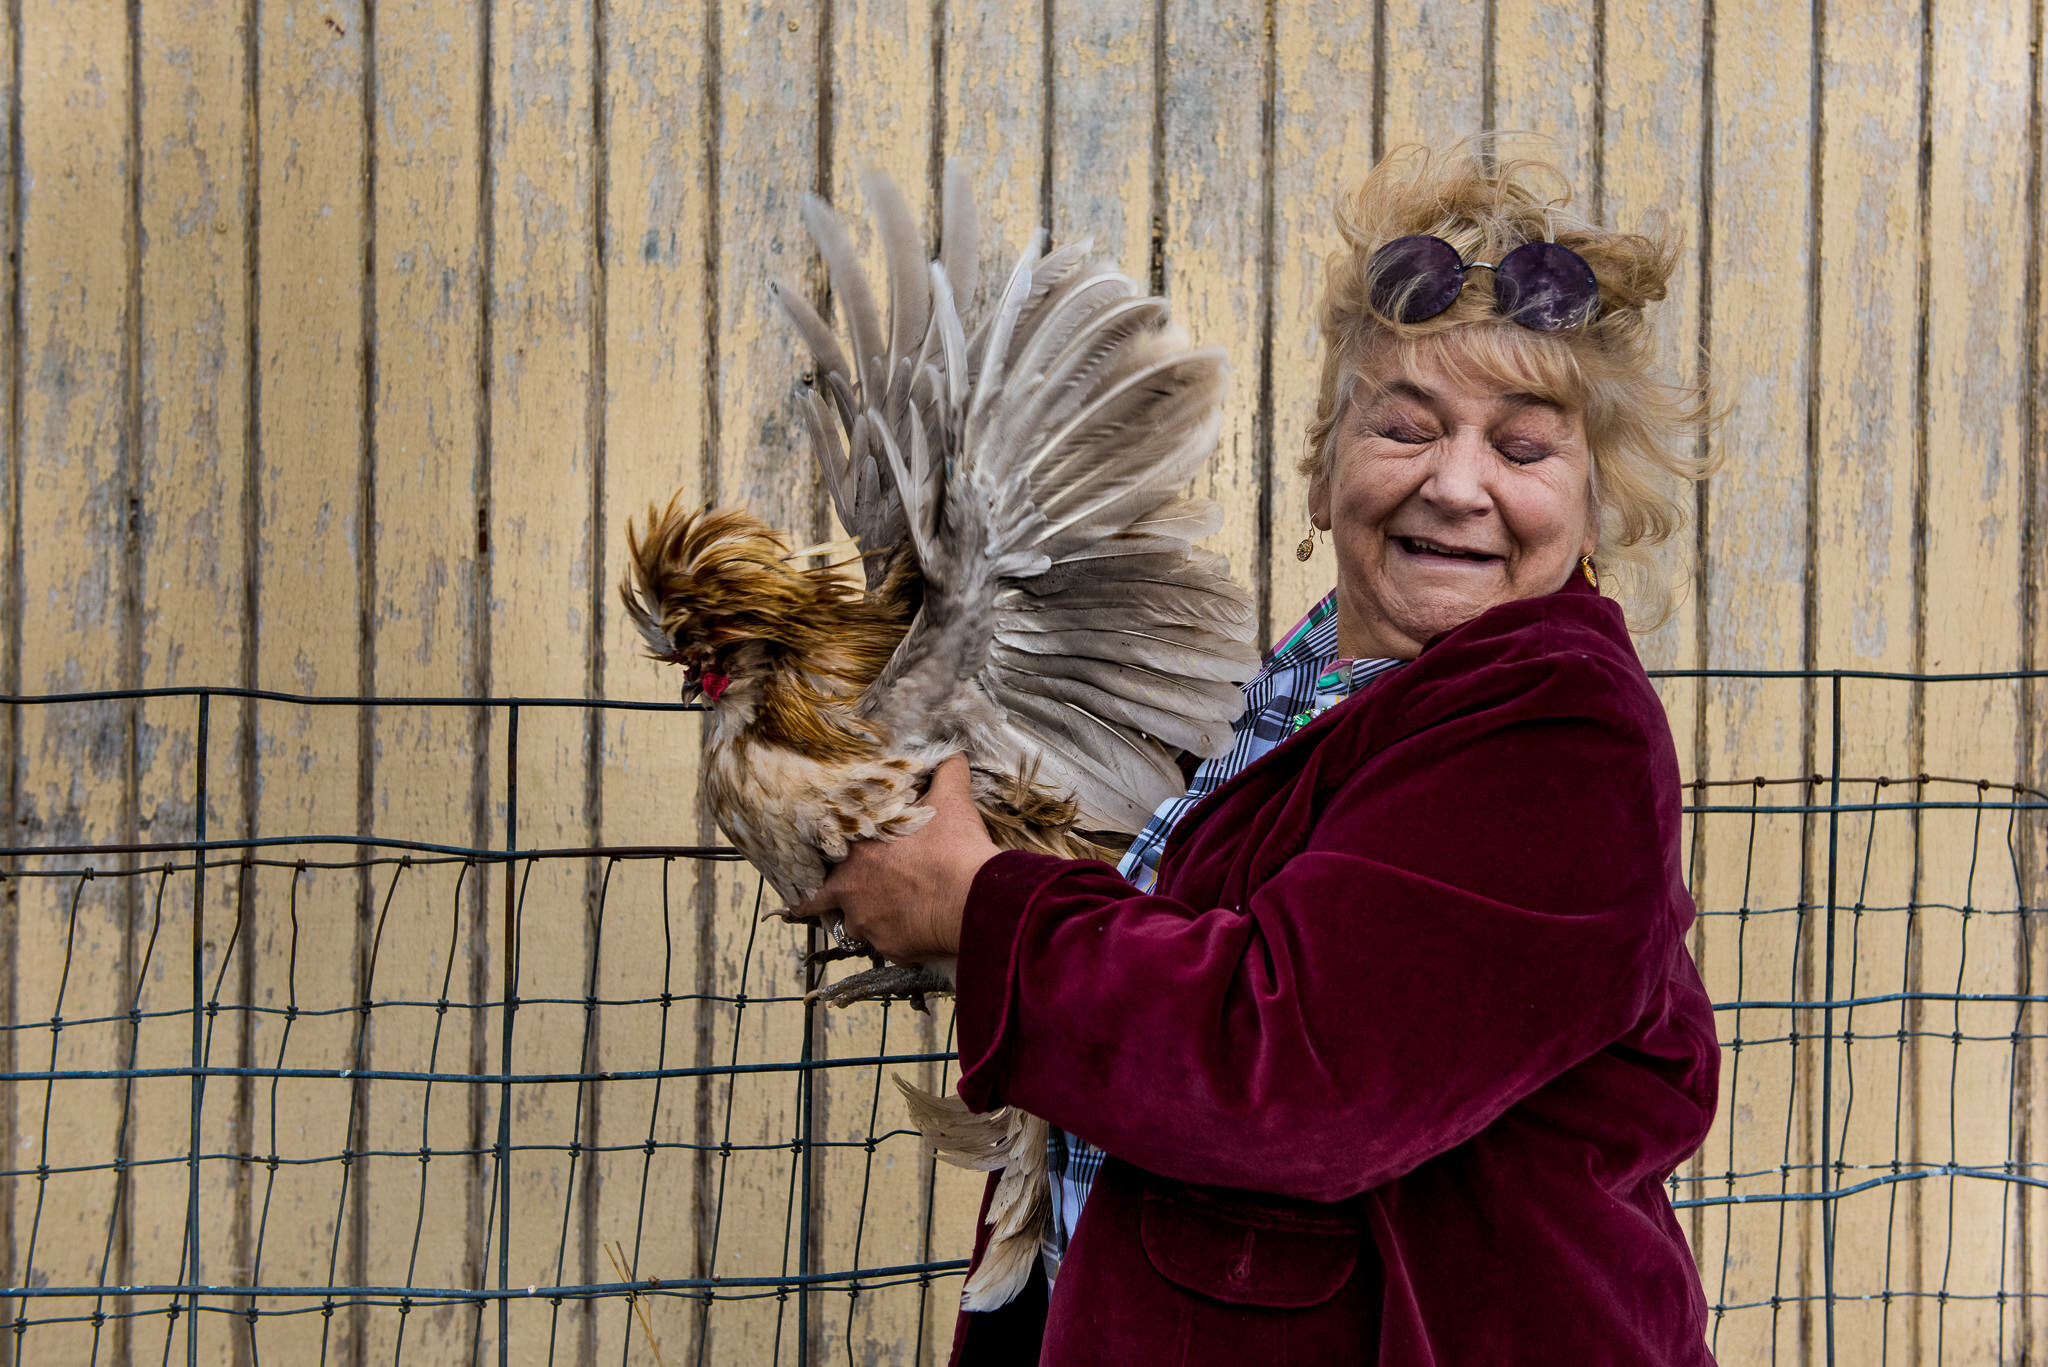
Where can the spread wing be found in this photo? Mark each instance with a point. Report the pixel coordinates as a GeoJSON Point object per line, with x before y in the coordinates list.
{"type": "Point", "coordinates": [892, 381]}
{"type": "Point", "coordinates": [1035, 467]}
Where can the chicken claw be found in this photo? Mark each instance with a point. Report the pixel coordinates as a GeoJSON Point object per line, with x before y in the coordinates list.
{"type": "Point", "coordinates": [909, 981]}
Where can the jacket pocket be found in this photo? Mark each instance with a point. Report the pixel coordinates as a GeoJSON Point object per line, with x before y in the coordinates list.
{"type": "Point", "coordinates": [1245, 1253]}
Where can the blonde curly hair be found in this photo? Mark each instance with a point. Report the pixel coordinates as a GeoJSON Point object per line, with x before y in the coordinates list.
{"type": "Point", "coordinates": [1639, 424]}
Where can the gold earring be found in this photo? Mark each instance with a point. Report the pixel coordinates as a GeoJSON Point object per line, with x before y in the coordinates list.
{"type": "Point", "coordinates": [1590, 570]}
{"type": "Point", "coordinates": [1307, 547]}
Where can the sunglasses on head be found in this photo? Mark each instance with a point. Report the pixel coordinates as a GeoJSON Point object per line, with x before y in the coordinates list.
{"type": "Point", "coordinates": [1539, 284]}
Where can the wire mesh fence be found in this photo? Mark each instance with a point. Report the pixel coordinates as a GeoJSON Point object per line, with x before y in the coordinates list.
{"type": "Point", "coordinates": [473, 1094]}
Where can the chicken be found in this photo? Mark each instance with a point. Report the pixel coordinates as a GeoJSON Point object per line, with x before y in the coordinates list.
{"type": "Point", "coordinates": [1030, 595]}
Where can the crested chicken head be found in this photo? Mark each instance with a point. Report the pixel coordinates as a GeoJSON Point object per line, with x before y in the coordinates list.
{"type": "Point", "coordinates": [712, 589]}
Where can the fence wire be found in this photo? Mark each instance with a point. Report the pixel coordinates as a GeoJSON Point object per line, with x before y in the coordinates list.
{"type": "Point", "coordinates": [419, 1096]}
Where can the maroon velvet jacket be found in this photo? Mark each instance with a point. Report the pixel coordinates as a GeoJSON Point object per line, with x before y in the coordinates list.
{"type": "Point", "coordinates": [1396, 1060]}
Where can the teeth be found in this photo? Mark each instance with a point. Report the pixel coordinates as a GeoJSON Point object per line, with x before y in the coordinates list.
{"type": "Point", "coordinates": [1418, 544]}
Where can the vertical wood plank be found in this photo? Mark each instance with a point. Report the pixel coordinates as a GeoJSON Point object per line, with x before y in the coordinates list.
{"type": "Point", "coordinates": [193, 352]}
{"type": "Point", "coordinates": [1650, 165]}
{"type": "Point", "coordinates": [1544, 82]}
{"type": "Point", "coordinates": [1435, 80]}
{"type": "Point", "coordinates": [1322, 147]}
{"type": "Point", "coordinates": [1867, 576]}
{"type": "Point", "coordinates": [993, 119]}
{"type": "Point", "coordinates": [869, 1200]}
{"type": "Point", "coordinates": [1754, 604]}
{"type": "Point", "coordinates": [11, 602]}
{"type": "Point", "coordinates": [75, 771]}
{"type": "Point", "coordinates": [1976, 397]}
{"type": "Point", "coordinates": [1214, 245]}
{"type": "Point", "coordinates": [424, 640]}
{"type": "Point", "coordinates": [2033, 1264]}
{"type": "Point", "coordinates": [768, 153]}
{"type": "Point", "coordinates": [658, 150]}
{"type": "Point", "coordinates": [312, 176]}
{"type": "Point", "coordinates": [881, 104]}
{"type": "Point", "coordinates": [1104, 90]}
{"type": "Point", "coordinates": [546, 447]}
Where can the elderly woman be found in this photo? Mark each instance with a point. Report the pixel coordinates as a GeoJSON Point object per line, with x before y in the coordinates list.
{"type": "Point", "coordinates": [1392, 1057]}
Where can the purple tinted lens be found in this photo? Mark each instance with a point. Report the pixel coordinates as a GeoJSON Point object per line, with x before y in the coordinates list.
{"type": "Point", "coordinates": [1546, 287]}
{"type": "Point", "coordinates": [1414, 278]}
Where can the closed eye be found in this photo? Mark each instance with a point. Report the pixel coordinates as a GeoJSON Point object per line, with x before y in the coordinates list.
{"type": "Point", "coordinates": [1522, 452]}
{"type": "Point", "coordinates": [1402, 435]}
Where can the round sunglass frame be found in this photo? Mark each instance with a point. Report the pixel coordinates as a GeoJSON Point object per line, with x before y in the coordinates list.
{"type": "Point", "coordinates": [1540, 285]}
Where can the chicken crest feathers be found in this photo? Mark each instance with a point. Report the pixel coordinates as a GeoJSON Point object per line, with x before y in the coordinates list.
{"type": "Point", "coordinates": [1033, 459]}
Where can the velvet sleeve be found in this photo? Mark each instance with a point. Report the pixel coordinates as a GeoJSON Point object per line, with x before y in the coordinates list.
{"type": "Point", "coordinates": [1479, 905]}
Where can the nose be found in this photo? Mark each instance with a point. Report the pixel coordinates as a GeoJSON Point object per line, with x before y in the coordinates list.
{"type": "Point", "coordinates": [1460, 465]}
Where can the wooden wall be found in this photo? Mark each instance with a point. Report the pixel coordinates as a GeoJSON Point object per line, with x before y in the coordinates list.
{"type": "Point", "coordinates": [341, 340]}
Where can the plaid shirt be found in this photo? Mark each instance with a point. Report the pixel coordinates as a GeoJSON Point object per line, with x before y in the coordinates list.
{"type": "Point", "coordinates": [1303, 677]}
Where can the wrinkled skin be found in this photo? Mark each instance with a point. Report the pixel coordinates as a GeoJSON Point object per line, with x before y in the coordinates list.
{"type": "Point", "coordinates": [1444, 498]}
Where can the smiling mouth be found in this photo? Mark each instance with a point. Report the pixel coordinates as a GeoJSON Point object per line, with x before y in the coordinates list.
{"type": "Point", "coordinates": [1424, 549]}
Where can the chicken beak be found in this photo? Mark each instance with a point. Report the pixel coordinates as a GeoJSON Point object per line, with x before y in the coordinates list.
{"type": "Point", "coordinates": [693, 684]}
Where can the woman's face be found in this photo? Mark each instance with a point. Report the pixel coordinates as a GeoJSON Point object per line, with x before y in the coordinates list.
{"type": "Point", "coordinates": [1445, 497]}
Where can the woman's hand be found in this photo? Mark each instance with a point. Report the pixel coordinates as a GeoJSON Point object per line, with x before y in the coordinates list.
{"type": "Point", "coordinates": [905, 896]}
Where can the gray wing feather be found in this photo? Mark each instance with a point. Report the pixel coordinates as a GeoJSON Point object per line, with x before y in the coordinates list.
{"type": "Point", "coordinates": [960, 233]}
{"type": "Point", "coordinates": [1035, 463]}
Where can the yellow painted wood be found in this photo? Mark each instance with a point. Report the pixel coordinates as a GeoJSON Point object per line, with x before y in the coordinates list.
{"type": "Point", "coordinates": [1543, 78]}
{"type": "Point", "coordinates": [2032, 1102]}
{"type": "Point", "coordinates": [994, 126]}
{"type": "Point", "coordinates": [664, 360]}
{"type": "Point", "coordinates": [1322, 147]}
{"type": "Point", "coordinates": [1102, 106]}
{"type": "Point", "coordinates": [1650, 182]}
{"type": "Point", "coordinates": [874, 1200]}
{"type": "Point", "coordinates": [192, 348]}
{"type": "Point", "coordinates": [1865, 583]}
{"type": "Point", "coordinates": [1435, 80]}
{"type": "Point", "coordinates": [545, 422]}
{"type": "Point", "coordinates": [310, 330]}
{"type": "Point", "coordinates": [11, 633]}
{"type": "Point", "coordinates": [767, 154]}
{"type": "Point", "coordinates": [74, 769]}
{"type": "Point", "coordinates": [1212, 237]}
{"type": "Point", "coordinates": [425, 618]}
{"type": "Point", "coordinates": [657, 212]}
{"type": "Point", "coordinates": [1977, 327]}
{"type": "Point", "coordinates": [881, 59]}
{"type": "Point", "coordinates": [1754, 606]}
{"type": "Point", "coordinates": [1650, 179]}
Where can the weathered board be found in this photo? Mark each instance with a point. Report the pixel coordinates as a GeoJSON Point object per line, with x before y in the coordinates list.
{"type": "Point", "coordinates": [193, 486]}
{"type": "Point", "coordinates": [75, 772]}
{"type": "Point", "coordinates": [342, 340]}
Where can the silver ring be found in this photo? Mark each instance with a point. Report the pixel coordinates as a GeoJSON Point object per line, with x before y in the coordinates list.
{"type": "Point", "coordinates": [847, 942]}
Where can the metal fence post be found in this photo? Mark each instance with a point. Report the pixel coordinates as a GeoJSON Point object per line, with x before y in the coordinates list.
{"type": "Point", "coordinates": [806, 1263]}
{"type": "Point", "coordinates": [1827, 1030]}
{"type": "Point", "coordinates": [197, 1090]}
{"type": "Point", "coordinates": [511, 977]}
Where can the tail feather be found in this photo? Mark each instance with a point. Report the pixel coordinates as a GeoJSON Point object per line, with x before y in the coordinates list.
{"type": "Point", "coordinates": [1014, 1142]}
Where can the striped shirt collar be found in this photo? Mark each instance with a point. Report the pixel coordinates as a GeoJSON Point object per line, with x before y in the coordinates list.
{"type": "Point", "coordinates": [1301, 678]}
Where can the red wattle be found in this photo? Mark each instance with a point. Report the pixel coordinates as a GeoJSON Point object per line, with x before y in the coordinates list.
{"type": "Point", "coordinates": [715, 684]}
